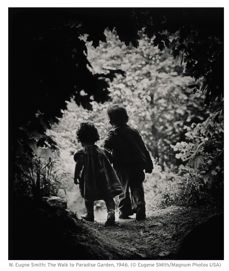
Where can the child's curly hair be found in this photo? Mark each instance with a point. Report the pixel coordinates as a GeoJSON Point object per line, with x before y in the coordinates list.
{"type": "Point", "coordinates": [117, 115]}
{"type": "Point", "coordinates": [87, 133]}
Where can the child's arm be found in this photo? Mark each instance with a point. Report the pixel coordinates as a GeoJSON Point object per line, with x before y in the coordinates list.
{"type": "Point", "coordinates": [77, 173]}
{"type": "Point", "coordinates": [149, 163]}
{"type": "Point", "coordinates": [109, 146]}
{"type": "Point", "coordinates": [108, 155]}
{"type": "Point", "coordinates": [109, 141]}
{"type": "Point", "coordinates": [78, 167]}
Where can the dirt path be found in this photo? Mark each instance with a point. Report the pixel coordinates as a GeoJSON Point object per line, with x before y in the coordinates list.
{"type": "Point", "coordinates": [53, 232]}
{"type": "Point", "coordinates": [157, 237]}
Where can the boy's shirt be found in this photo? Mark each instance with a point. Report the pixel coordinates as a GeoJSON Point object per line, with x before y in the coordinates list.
{"type": "Point", "coordinates": [128, 148]}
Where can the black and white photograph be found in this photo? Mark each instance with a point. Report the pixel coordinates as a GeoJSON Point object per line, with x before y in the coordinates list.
{"type": "Point", "coordinates": [116, 133]}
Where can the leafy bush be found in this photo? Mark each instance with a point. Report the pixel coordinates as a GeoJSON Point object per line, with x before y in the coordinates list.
{"type": "Point", "coordinates": [166, 106]}
{"type": "Point", "coordinates": [36, 173]}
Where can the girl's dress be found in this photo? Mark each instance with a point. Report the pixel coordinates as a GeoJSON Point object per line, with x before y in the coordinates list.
{"type": "Point", "coordinates": [97, 178]}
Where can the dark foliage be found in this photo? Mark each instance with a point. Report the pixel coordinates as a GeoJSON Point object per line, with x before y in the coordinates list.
{"type": "Point", "coordinates": [205, 242]}
{"type": "Point", "coordinates": [48, 61]}
{"type": "Point", "coordinates": [199, 40]}
{"type": "Point", "coordinates": [39, 231]}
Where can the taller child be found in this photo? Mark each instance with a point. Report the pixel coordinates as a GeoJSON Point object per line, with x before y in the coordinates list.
{"type": "Point", "coordinates": [130, 159]}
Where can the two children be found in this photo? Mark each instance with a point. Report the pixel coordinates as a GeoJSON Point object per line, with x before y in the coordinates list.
{"type": "Point", "coordinates": [97, 178]}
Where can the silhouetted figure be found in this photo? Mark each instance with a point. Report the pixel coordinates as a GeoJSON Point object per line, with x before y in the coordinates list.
{"type": "Point", "coordinates": [97, 179]}
{"type": "Point", "coordinates": [130, 158]}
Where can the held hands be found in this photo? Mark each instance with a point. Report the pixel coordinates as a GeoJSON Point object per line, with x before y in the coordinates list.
{"type": "Point", "coordinates": [149, 169]}
{"type": "Point", "coordinates": [76, 181]}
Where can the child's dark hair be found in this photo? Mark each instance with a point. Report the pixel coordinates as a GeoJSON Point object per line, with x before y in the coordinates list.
{"type": "Point", "coordinates": [87, 133]}
{"type": "Point", "coordinates": [117, 115]}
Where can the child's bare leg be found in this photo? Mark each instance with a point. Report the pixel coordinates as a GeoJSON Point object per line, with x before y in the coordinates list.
{"type": "Point", "coordinates": [110, 212]}
{"type": "Point", "coordinates": [89, 204]}
{"type": "Point", "coordinates": [125, 206]}
{"type": "Point", "coordinates": [137, 192]}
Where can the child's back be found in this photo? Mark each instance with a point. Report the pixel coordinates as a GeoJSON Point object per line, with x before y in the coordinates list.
{"type": "Point", "coordinates": [128, 148]}
{"type": "Point", "coordinates": [97, 179]}
{"type": "Point", "coordinates": [130, 158]}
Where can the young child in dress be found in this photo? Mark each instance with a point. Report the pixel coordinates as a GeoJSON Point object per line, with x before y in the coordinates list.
{"type": "Point", "coordinates": [130, 158]}
{"type": "Point", "coordinates": [94, 173]}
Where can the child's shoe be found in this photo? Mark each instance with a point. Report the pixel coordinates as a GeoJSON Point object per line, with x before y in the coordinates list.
{"type": "Point", "coordinates": [123, 216]}
{"type": "Point", "coordinates": [88, 218]}
{"type": "Point", "coordinates": [140, 213]}
{"type": "Point", "coordinates": [140, 217]}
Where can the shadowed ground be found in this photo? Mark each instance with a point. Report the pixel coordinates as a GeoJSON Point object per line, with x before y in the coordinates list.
{"type": "Point", "coordinates": [159, 236]}
{"type": "Point", "coordinates": [40, 231]}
